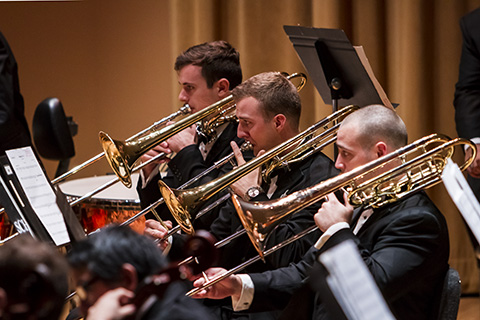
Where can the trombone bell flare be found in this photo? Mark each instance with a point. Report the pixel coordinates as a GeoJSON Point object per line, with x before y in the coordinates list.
{"type": "Point", "coordinates": [181, 214]}
{"type": "Point", "coordinates": [250, 226]}
{"type": "Point", "coordinates": [116, 159]}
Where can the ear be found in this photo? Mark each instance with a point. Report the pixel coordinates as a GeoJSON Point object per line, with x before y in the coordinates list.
{"type": "Point", "coordinates": [129, 277]}
{"type": "Point", "coordinates": [223, 87]}
{"type": "Point", "coordinates": [381, 149]}
{"type": "Point", "coordinates": [279, 121]}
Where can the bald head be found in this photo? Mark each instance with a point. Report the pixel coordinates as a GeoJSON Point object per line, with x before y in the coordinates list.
{"type": "Point", "coordinates": [376, 123]}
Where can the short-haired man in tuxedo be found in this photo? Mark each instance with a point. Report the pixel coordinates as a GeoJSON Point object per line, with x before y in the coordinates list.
{"type": "Point", "coordinates": [206, 73]}
{"type": "Point", "coordinates": [404, 244]}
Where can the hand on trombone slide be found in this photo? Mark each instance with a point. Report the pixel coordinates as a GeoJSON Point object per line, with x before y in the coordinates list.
{"type": "Point", "coordinates": [228, 287]}
{"type": "Point", "coordinates": [158, 230]}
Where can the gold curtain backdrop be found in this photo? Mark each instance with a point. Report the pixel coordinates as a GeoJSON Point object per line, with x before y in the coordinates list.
{"type": "Point", "coordinates": [413, 47]}
{"type": "Point", "coordinates": [110, 62]}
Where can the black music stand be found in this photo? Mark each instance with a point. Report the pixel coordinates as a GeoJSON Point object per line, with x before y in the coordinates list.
{"type": "Point", "coordinates": [335, 67]}
{"type": "Point", "coordinates": [21, 213]}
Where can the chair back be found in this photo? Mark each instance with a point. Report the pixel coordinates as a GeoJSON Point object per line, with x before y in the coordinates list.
{"type": "Point", "coordinates": [450, 296]}
{"type": "Point", "coordinates": [52, 133]}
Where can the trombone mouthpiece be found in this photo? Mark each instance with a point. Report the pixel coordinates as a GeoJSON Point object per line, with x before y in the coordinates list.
{"type": "Point", "coordinates": [185, 109]}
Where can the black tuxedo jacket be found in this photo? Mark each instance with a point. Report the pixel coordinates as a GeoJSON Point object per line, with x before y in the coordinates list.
{"type": "Point", "coordinates": [405, 246]}
{"type": "Point", "coordinates": [176, 306]}
{"type": "Point", "coordinates": [188, 163]}
{"type": "Point", "coordinates": [467, 89]}
{"type": "Point", "coordinates": [14, 131]}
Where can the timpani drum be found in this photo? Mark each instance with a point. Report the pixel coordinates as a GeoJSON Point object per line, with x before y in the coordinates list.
{"type": "Point", "coordinates": [6, 228]}
{"type": "Point", "coordinates": [113, 205]}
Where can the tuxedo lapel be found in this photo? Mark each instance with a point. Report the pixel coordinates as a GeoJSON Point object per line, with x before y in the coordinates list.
{"type": "Point", "coordinates": [357, 212]}
{"type": "Point", "coordinates": [286, 179]}
{"type": "Point", "coordinates": [376, 215]}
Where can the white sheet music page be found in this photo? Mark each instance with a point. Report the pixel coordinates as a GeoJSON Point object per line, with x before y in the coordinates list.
{"type": "Point", "coordinates": [462, 195]}
{"type": "Point", "coordinates": [39, 192]}
{"type": "Point", "coordinates": [353, 285]}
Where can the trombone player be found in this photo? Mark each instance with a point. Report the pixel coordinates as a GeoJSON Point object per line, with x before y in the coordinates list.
{"type": "Point", "coordinates": [206, 72]}
{"type": "Point", "coordinates": [268, 108]}
{"type": "Point", "coordinates": [404, 244]}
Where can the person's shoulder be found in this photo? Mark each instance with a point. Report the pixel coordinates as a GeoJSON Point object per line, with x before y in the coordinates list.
{"type": "Point", "coordinates": [471, 19]}
{"type": "Point", "coordinates": [319, 163]}
{"type": "Point", "coordinates": [420, 205]}
{"type": "Point", "coordinates": [472, 15]}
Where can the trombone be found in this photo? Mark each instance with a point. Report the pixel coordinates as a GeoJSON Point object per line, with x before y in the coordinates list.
{"type": "Point", "coordinates": [122, 155]}
{"type": "Point", "coordinates": [182, 202]}
{"type": "Point", "coordinates": [371, 185]}
{"type": "Point", "coordinates": [185, 109]}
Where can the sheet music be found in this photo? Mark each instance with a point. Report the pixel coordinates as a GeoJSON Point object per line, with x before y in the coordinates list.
{"type": "Point", "coordinates": [462, 195]}
{"type": "Point", "coordinates": [368, 68]}
{"type": "Point", "coordinates": [352, 284]}
{"type": "Point", "coordinates": [39, 192]}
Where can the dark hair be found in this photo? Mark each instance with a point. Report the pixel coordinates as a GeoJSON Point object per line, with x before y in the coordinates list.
{"type": "Point", "coordinates": [105, 252]}
{"type": "Point", "coordinates": [218, 60]}
{"type": "Point", "coordinates": [36, 274]}
{"type": "Point", "coordinates": [276, 94]}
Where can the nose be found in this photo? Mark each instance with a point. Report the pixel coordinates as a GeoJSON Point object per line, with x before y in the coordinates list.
{"type": "Point", "coordinates": [339, 164]}
{"type": "Point", "coordinates": [242, 134]}
{"type": "Point", "coordinates": [182, 96]}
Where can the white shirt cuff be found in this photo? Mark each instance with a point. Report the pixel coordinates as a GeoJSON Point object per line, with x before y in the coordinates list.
{"type": "Point", "coordinates": [246, 297]}
{"type": "Point", "coordinates": [330, 231]}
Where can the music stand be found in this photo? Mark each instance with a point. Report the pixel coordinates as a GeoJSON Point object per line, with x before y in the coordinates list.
{"type": "Point", "coordinates": [335, 67]}
{"type": "Point", "coordinates": [35, 217]}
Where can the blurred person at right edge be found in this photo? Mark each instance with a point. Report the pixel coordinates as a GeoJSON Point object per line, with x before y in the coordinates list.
{"type": "Point", "coordinates": [404, 244]}
{"type": "Point", "coordinates": [467, 102]}
{"type": "Point", "coordinates": [14, 132]}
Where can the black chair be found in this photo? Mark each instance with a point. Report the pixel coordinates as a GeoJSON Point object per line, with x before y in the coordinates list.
{"type": "Point", "coordinates": [53, 133]}
{"type": "Point", "coordinates": [450, 296]}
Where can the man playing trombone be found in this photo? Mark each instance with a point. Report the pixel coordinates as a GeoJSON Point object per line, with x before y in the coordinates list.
{"type": "Point", "coordinates": [268, 108]}
{"type": "Point", "coordinates": [404, 244]}
{"type": "Point", "coordinates": [206, 73]}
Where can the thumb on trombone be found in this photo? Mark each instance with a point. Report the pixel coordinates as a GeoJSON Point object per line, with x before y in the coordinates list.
{"type": "Point", "coordinates": [253, 179]}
